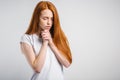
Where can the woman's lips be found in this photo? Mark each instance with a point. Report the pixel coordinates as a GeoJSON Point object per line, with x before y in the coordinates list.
{"type": "Point", "coordinates": [47, 27]}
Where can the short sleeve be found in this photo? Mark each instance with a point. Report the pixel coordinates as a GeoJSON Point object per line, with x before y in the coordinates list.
{"type": "Point", "coordinates": [26, 39]}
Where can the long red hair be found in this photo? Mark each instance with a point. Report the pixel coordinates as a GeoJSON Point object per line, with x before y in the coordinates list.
{"type": "Point", "coordinates": [58, 35]}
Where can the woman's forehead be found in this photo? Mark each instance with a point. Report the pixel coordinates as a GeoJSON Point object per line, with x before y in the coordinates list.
{"type": "Point", "coordinates": [47, 12]}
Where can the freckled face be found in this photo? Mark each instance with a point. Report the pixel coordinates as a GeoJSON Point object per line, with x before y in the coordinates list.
{"type": "Point", "coordinates": [46, 19]}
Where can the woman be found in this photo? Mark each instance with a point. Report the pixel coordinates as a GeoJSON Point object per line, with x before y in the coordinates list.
{"type": "Point", "coordinates": [44, 44]}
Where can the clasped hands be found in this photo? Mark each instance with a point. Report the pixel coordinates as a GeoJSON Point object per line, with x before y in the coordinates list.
{"type": "Point", "coordinates": [46, 36]}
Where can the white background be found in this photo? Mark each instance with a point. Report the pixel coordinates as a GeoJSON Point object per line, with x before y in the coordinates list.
{"type": "Point", "coordinates": [93, 30]}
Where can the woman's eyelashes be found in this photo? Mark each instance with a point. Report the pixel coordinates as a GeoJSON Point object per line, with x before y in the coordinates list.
{"type": "Point", "coordinates": [47, 18]}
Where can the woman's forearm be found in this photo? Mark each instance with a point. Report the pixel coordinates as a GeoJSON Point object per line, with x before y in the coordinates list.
{"type": "Point", "coordinates": [61, 58]}
{"type": "Point", "coordinates": [40, 59]}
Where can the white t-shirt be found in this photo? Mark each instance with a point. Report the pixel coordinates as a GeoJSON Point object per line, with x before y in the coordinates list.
{"type": "Point", "coordinates": [52, 69]}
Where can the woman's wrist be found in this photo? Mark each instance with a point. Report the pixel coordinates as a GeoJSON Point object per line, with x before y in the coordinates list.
{"type": "Point", "coordinates": [45, 42]}
{"type": "Point", "coordinates": [51, 42]}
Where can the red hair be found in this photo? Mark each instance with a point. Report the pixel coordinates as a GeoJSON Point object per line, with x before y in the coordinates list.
{"type": "Point", "coordinates": [58, 35]}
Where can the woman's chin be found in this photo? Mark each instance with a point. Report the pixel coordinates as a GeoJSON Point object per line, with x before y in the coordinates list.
{"type": "Point", "coordinates": [47, 29]}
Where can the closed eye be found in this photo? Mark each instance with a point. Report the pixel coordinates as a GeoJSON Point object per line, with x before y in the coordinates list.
{"type": "Point", "coordinates": [45, 18]}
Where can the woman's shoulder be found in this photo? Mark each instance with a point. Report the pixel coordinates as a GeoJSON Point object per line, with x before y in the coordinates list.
{"type": "Point", "coordinates": [26, 35]}
{"type": "Point", "coordinates": [28, 38]}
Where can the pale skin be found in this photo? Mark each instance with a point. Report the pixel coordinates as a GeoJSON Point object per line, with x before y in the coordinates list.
{"type": "Point", "coordinates": [37, 62]}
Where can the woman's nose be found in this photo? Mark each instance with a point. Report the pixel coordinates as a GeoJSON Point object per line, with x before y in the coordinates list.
{"type": "Point", "coordinates": [49, 22]}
